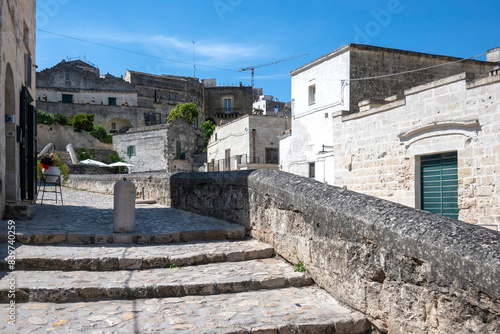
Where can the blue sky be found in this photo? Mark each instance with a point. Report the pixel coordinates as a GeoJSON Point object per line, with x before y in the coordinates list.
{"type": "Point", "coordinates": [230, 34]}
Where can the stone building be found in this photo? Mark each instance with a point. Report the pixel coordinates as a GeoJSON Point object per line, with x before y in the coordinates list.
{"type": "Point", "coordinates": [76, 86]}
{"type": "Point", "coordinates": [168, 147]}
{"type": "Point", "coordinates": [162, 93]}
{"type": "Point", "coordinates": [226, 103]}
{"type": "Point", "coordinates": [437, 124]}
{"type": "Point", "coordinates": [17, 112]}
{"type": "Point", "coordinates": [249, 142]}
{"type": "Point", "coordinates": [267, 105]}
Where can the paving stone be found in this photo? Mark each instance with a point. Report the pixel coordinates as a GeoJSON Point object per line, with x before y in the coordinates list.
{"type": "Point", "coordinates": [226, 277]}
{"type": "Point", "coordinates": [125, 284]}
{"type": "Point", "coordinates": [119, 256]}
{"type": "Point", "coordinates": [87, 218]}
{"type": "Point", "coordinates": [296, 310]}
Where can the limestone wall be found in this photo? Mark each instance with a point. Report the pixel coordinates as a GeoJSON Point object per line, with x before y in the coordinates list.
{"type": "Point", "coordinates": [409, 271]}
{"type": "Point", "coordinates": [156, 186]}
{"type": "Point", "coordinates": [378, 150]}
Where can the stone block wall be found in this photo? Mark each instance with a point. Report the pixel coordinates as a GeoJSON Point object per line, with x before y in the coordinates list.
{"type": "Point", "coordinates": [378, 150]}
{"type": "Point", "coordinates": [409, 271]}
{"type": "Point", "coordinates": [156, 185]}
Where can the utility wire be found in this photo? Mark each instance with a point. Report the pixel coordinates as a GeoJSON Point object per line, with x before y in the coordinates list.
{"type": "Point", "coordinates": [131, 51]}
{"type": "Point", "coordinates": [275, 76]}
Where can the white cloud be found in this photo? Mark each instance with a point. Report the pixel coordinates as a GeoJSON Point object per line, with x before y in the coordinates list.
{"type": "Point", "coordinates": [208, 52]}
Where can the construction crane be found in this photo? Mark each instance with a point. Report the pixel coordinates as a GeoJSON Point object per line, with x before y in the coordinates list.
{"type": "Point", "coordinates": [267, 64]}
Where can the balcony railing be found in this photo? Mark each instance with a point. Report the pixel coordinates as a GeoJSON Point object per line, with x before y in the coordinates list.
{"type": "Point", "coordinates": [228, 164]}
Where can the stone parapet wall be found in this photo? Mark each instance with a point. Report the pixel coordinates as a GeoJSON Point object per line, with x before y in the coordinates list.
{"type": "Point", "coordinates": [408, 270]}
{"type": "Point", "coordinates": [156, 185]}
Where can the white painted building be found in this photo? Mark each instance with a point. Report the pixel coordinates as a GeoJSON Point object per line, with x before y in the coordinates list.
{"type": "Point", "coordinates": [249, 142]}
{"type": "Point", "coordinates": [432, 146]}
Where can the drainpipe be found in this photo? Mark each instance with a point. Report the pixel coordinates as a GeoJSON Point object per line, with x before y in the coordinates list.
{"type": "Point", "coordinates": [254, 133]}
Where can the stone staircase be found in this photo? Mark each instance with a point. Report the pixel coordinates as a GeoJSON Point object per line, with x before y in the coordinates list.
{"type": "Point", "coordinates": [217, 286]}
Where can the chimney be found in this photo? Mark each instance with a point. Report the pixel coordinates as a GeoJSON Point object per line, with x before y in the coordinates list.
{"type": "Point", "coordinates": [493, 55]}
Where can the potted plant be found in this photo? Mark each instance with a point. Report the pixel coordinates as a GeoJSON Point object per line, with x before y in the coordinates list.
{"type": "Point", "coordinates": [51, 171]}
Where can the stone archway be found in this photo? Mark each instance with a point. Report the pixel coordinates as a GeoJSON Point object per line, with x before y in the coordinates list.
{"type": "Point", "coordinates": [116, 124]}
{"type": "Point", "coordinates": [9, 165]}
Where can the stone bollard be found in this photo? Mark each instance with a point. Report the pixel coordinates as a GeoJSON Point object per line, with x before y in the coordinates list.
{"type": "Point", "coordinates": [124, 207]}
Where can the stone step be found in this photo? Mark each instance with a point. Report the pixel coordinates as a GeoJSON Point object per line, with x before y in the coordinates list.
{"type": "Point", "coordinates": [291, 310]}
{"type": "Point", "coordinates": [122, 257]}
{"type": "Point", "coordinates": [208, 279]}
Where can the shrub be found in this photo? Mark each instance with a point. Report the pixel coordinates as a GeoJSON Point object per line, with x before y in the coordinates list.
{"type": "Point", "coordinates": [83, 122]}
{"type": "Point", "coordinates": [82, 154]}
{"type": "Point", "coordinates": [61, 119]}
{"type": "Point", "coordinates": [101, 134]}
{"type": "Point", "coordinates": [43, 117]}
{"type": "Point", "coordinates": [208, 128]}
{"type": "Point", "coordinates": [62, 167]}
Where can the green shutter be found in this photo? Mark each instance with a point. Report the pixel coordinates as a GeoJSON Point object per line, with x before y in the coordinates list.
{"type": "Point", "coordinates": [440, 184]}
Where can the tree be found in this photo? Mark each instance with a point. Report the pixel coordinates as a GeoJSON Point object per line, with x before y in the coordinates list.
{"type": "Point", "coordinates": [83, 122]}
{"type": "Point", "coordinates": [208, 128]}
{"type": "Point", "coordinates": [187, 111]}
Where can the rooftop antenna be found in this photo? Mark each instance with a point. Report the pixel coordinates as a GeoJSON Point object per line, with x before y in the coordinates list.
{"type": "Point", "coordinates": [194, 59]}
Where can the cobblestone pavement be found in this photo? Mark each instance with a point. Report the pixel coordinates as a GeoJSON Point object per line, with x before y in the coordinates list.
{"type": "Point", "coordinates": [87, 218]}
{"type": "Point", "coordinates": [76, 276]}
{"type": "Point", "coordinates": [265, 311]}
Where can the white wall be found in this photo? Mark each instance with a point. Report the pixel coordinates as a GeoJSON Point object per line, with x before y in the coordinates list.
{"type": "Point", "coordinates": [312, 124]}
{"type": "Point", "coordinates": [85, 97]}
{"type": "Point", "coordinates": [238, 137]}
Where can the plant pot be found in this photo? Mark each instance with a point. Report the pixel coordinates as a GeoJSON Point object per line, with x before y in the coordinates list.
{"type": "Point", "coordinates": [51, 174]}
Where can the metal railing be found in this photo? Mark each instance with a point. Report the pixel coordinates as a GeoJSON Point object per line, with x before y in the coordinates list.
{"type": "Point", "coordinates": [228, 164]}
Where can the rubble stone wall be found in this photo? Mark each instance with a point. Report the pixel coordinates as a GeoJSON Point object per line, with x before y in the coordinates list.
{"type": "Point", "coordinates": [408, 270]}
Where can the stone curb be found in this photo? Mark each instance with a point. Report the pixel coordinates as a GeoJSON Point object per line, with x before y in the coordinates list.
{"type": "Point", "coordinates": [127, 238]}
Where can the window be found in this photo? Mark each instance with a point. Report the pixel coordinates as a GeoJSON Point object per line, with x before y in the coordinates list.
{"type": "Point", "coordinates": [312, 94]}
{"type": "Point", "coordinates": [439, 184]}
{"type": "Point", "coordinates": [179, 153]}
{"type": "Point", "coordinates": [227, 106]}
{"type": "Point", "coordinates": [28, 66]}
{"type": "Point", "coordinates": [157, 96]}
{"type": "Point", "coordinates": [113, 126]}
{"type": "Point", "coordinates": [227, 160]}
{"type": "Point", "coordinates": [131, 150]}
{"type": "Point", "coordinates": [312, 170]}
{"type": "Point", "coordinates": [191, 99]}
{"type": "Point", "coordinates": [67, 76]}
{"type": "Point", "coordinates": [112, 101]}
{"type": "Point", "coordinates": [170, 96]}
{"type": "Point", "coordinates": [67, 98]}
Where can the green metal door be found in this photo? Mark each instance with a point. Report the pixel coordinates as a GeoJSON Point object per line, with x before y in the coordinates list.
{"type": "Point", "coordinates": [440, 184]}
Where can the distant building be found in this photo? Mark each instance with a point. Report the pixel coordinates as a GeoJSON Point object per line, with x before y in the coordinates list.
{"type": "Point", "coordinates": [267, 105]}
{"type": "Point", "coordinates": [162, 93]}
{"type": "Point", "coordinates": [226, 103]}
{"type": "Point", "coordinates": [249, 142]}
{"type": "Point", "coordinates": [168, 147]}
{"type": "Point", "coordinates": [73, 87]}
{"type": "Point", "coordinates": [429, 143]}
{"type": "Point", "coordinates": [17, 111]}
